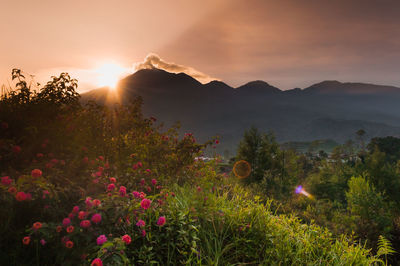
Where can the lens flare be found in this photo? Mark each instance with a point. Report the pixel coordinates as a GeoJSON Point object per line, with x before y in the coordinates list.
{"type": "Point", "coordinates": [241, 169]}
{"type": "Point", "coordinates": [300, 190]}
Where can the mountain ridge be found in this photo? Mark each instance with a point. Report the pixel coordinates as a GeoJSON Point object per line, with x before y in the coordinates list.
{"type": "Point", "coordinates": [294, 115]}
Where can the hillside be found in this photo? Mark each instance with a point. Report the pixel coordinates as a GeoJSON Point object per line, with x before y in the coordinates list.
{"type": "Point", "coordinates": [329, 109]}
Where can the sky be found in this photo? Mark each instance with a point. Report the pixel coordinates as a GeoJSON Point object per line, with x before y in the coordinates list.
{"type": "Point", "coordinates": [287, 43]}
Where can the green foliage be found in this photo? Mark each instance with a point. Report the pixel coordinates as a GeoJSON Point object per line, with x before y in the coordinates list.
{"type": "Point", "coordinates": [369, 207]}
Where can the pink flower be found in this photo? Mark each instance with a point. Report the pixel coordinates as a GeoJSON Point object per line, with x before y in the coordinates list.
{"type": "Point", "coordinates": [142, 182]}
{"type": "Point", "coordinates": [96, 218]}
{"type": "Point", "coordinates": [42, 242]}
{"type": "Point", "coordinates": [36, 173]}
{"type": "Point", "coordinates": [161, 221]}
{"type": "Point", "coordinates": [39, 155]}
{"type": "Point", "coordinates": [154, 182]}
{"type": "Point", "coordinates": [85, 160]}
{"type": "Point", "coordinates": [127, 239]}
{"type": "Point", "coordinates": [66, 222]}
{"type": "Point", "coordinates": [143, 233]}
{"type": "Point", "coordinates": [97, 262]}
{"type": "Point", "coordinates": [85, 224]}
{"type": "Point", "coordinates": [88, 202]}
{"type": "Point", "coordinates": [81, 215]}
{"type": "Point", "coordinates": [145, 203]}
{"type": "Point", "coordinates": [16, 149]}
{"type": "Point", "coordinates": [113, 180]}
{"type": "Point", "coordinates": [148, 171]}
{"type": "Point", "coordinates": [96, 202]}
{"type": "Point", "coordinates": [5, 180]}
{"type": "Point", "coordinates": [75, 209]}
{"type": "Point", "coordinates": [122, 191]}
{"type": "Point", "coordinates": [136, 194]}
{"type": "Point", "coordinates": [110, 187]}
{"type": "Point", "coordinates": [101, 158]}
{"type": "Point", "coordinates": [98, 173]}
{"type": "Point", "coordinates": [20, 196]}
{"type": "Point", "coordinates": [141, 223]}
{"type": "Point", "coordinates": [101, 240]}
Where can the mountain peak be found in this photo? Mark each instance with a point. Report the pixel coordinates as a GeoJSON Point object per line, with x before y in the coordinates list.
{"type": "Point", "coordinates": [258, 86]}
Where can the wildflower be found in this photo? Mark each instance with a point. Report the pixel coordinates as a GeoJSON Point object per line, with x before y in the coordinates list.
{"type": "Point", "coordinates": [85, 160]}
{"type": "Point", "coordinates": [154, 181]}
{"type": "Point", "coordinates": [69, 244]}
{"type": "Point", "coordinates": [101, 158]}
{"type": "Point", "coordinates": [161, 221]}
{"type": "Point", "coordinates": [113, 180]}
{"type": "Point", "coordinates": [122, 191]}
{"type": "Point", "coordinates": [101, 240]}
{"type": "Point", "coordinates": [66, 222]}
{"type": "Point", "coordinates": [139, 164]}
{"type": "Point", "coordinates": [96, 218]}
{"type": "Point", "coordinates": [70, 229]}
{"type": "Point", "coordinates": [16, 149]}
{"type": "Point", "coordinates": [100, 168]}
{"type": "Point", "coordinates": [5, 180]}
{"type": "Point", "coordinates": [98, 173]}
{"type": "Point", "coordinates": [85, 224]}
{"type": "Point", "coordinates": [136, 194]}
{"type": "Point", "coordinates": [12, 190]}
{"type": "Point", "coordinates": [54, 161]}
{"type": "Point", "coordinates": [59, 229]}
{"type": "Point", "coordinates": [75, 209]}
{"type": "Point", "coordinates": [148, 189]}
{"type": "Point", "coordinates": [148, 171]}
{"type": "Point", "coordinates": [127, 239]}
{"type": "Point", "coordinates": [141, 223]}
{"type": "Point", "coordinates": [110, 187]}
{"type": "Point", "coordinates": [88, 202]}
{"type": "Point", "coordinates": [145, 203]}
{"type": "Point", "coordinates": [37, 226]}
{"type": "Point", "coordinates": [143, 233]}
{"type": "Point", "coordinates": [20, 196]}
{"type": "Point", "coordinates": [216, 141]}
{"type": "Point", "coordinates": [97, 262]}
{"type": "Point", "coordinates": [71, 215]}
{"type": "Point", "coordinates": [82, 215]}
{"type": "Point", "coordinates": [26, 240]}
{"type": "Point", "coordinates": [142, 182]}
{"type": "Point", "coordinates": [96, 202]}
{"type": "Point", "coordinates": [42, 242]}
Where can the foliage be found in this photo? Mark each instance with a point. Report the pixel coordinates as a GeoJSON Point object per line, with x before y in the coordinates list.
{"type": "Point", "coordinates": [86, 183]}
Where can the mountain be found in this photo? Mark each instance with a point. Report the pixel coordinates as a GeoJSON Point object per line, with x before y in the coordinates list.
{"type": "Point", "coordinates": [326, 110]}
{"type": "Point", "coordinates": [336, 87]}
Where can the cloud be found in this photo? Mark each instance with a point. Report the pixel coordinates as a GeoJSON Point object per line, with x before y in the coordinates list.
{"type": "Point", "coordinates": [154, 61]}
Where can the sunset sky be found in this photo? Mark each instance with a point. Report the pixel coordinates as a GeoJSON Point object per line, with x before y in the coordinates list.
{"type": "Point", "coordinates": [286, 43]}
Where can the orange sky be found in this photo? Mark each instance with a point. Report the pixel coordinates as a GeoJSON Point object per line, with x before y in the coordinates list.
{"type": "Point", "coordinates": [288, 43]}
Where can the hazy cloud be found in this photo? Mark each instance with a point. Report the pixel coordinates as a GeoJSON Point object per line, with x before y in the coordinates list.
{"type": "Point", "coordinates": [154, 61]}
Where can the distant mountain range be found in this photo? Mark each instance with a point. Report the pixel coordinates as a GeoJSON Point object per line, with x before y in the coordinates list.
{"type": "Point", "coordinates": [326, 110]}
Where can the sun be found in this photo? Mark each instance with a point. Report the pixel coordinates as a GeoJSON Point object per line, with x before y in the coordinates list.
{"type": "Point", "coordinates": [109, 74]}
